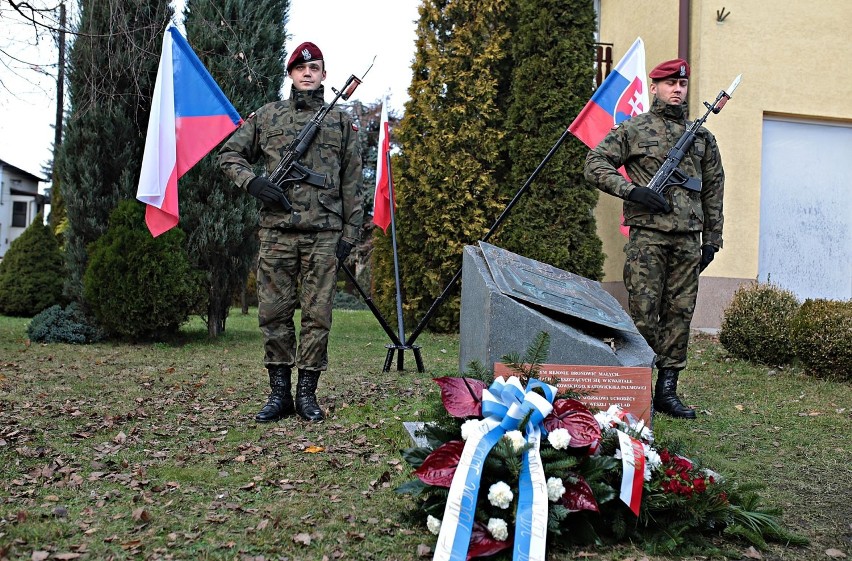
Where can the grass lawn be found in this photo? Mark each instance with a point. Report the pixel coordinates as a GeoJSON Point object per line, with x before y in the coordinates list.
{"type": "Point", "coordinates": [150, 451]}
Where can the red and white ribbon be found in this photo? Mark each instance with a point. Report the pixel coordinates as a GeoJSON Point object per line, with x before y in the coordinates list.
{"type": "Point", "coordinates": [633, 468]}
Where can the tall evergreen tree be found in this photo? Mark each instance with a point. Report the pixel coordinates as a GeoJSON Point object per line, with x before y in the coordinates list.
{"type": "Point", "coordinates": [452, 139]}
{"type": "Point", "coordinates": [241, 42]}
{"type": "Point", "coordinates": [553, 222]}
{"type": "Point", "coordinates": [112, 69]}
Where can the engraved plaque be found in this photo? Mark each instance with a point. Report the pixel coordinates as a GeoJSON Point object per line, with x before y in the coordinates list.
{"type": "Point", "coordinates": [546, 286]}
{"type": "Point", "coordinates": [627, 387]}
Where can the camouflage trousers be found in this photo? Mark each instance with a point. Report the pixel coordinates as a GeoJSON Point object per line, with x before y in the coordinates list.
{"type": "Point", "coordinates": [661, 277]}
{"type": "Point", "coordinates": [296, 266]}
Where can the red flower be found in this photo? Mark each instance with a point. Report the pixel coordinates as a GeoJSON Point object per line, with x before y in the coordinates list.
{"type": "Point", "coordinates": [482, 543]}
{"type": "Point", "coordinates": [578, 496]}
{"type": "Point", "coordinates": [439, 467]}
{"type": "Point", "coordinates": [462, 397]}
{"type": "Point", "coordinates": [573, 416]}
{"type": "Point", "coordinates": [682, 463]}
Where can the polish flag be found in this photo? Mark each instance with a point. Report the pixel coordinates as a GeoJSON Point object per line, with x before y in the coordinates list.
{"type": "Point", "coordinates": [189, 116]}
{"type": "Point", "coordinates": [381, 199]}
{"type": "Point", "coordinates": [623, 94]}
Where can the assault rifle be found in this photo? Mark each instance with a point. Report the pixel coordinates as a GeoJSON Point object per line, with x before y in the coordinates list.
{"type": "Point", "coordinates": [289, 169]}
{"type": "Point", "coordinates": [669, 174]}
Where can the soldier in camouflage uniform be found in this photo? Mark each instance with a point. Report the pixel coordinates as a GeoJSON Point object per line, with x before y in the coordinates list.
{"type": "Point", "coordinates": [672, 237]}
{"type": "Point", "coordinates": [299, 249]}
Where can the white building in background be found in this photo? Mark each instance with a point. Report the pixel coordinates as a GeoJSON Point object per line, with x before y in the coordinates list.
{"type": "Point", "coordinates": [20, 202]}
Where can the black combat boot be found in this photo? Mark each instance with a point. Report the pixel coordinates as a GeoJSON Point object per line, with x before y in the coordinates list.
{"type": "Point", "coordinates": [306, 396]}
{"type": "Point", "coordinates": [280, 402]}
{"type": "Point", "coordinates": [665, 396]}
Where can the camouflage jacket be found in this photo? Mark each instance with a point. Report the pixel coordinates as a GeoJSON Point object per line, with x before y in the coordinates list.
{"type": "Point", "coordinates": [335, 152]}
{"type": "Point", "coordinates": [640, 145]}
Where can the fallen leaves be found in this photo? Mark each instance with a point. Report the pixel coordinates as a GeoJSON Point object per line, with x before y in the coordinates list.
{"type": "Point", "coordinates": [302, 538]}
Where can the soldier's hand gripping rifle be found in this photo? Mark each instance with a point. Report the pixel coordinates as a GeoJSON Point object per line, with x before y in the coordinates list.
{"type": "Point", "coordinates": [669, 174]}
{"type": "Point", "coordinates": [289, 169]}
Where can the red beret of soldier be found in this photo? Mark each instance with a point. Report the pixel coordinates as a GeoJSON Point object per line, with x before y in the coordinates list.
{"type": "Point", "coordinates": [677, 68]}
{"type": "Point", "coordinates": [303, 53]}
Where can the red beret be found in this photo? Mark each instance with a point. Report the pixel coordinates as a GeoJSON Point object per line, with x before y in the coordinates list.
{"type": "Point", "coordinates": [303, 53]}
{"type": "Point", "coordinates": [677, 68]}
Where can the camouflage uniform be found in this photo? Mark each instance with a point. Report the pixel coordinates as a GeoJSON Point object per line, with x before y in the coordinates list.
{"type": "Point", "coordinates": [663, 253]}
{"type": "Point", "coordinates": [297, 248]}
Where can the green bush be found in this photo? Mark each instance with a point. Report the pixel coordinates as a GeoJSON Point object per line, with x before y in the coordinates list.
{"type": "Point", "coordinates": [821, 332]}
{"type": "Point", "coordinates": [32, 272]}
{"type": "Point", "coordinates": [58, 325]}
{"type": "Point", "coordinates": [139, 287]}
{"type": "Point", "coordinates": [756, 324]}
{"type": "Point", "coordinates": [345, 301]}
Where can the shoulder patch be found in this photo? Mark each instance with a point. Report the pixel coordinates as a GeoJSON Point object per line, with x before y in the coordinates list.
{"type": "Point", "coordinates": [354, 126]}
{"type": "Point", "coordinates": [252, 115]}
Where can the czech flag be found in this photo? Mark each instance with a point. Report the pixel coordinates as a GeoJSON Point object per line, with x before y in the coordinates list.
{"type": "Point", "coordinates": [623, 94]}
{"type": "Point", "coordinates": [189, 116]}
{"type": "Point", "coordinates": [381, 199]}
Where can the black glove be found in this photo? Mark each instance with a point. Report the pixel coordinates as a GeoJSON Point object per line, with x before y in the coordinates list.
{"type": "Point", "coordinates": [708, 252]}
{"type": "Point", "coordinates": [343, 250]}
{"type": "Point", "coordinates": [648, 198]}
{"type": "Point", "coordinates": [267, 192]}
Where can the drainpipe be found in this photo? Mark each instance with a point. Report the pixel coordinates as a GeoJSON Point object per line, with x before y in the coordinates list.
{"type": "Point", "coordinates": [683, 30]}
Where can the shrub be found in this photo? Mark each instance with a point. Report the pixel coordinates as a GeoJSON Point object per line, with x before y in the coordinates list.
{"type": "Point", "coordinates": [32, 272]}
{"type": "Point", "coordinates": [756, 324]}
{"type": "Point", "coordinates": [345, 301]}
{"type": "Point", "coordinates": [139, 287]}
{"type": "Point", "coordinates": [821, 333]}
{"type": "Point", "coordinates": [58, 325]}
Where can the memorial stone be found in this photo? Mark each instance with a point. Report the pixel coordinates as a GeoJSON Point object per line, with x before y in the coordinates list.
{"type": "Point", "coordinates": [508, 299]}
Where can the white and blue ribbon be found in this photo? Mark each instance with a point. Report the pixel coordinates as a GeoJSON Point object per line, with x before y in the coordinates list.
{"type": "Point", "coordinates": [504, 405]}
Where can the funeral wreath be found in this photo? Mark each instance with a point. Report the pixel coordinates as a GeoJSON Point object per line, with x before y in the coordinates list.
{"type": "Point", "coordinates": [511, 465]}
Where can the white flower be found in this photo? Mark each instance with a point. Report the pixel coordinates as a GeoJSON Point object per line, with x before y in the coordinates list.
{"type": "Point", "coordinates": [433, 524]}
{"type": "Point", "coordinates": [468, 427]}
{"type": "Point", "coordinates": [652, 461]}
{"type": "Point", "coordinates": [498, 528]}
{"type": "Point", "coordinates": [609, 418]}
{"type": "Point", "coordinates": [516, 438]}
{"type": "Point", "coordinates": [555, 489]}
{"type": "Point", "coordinates": [559, 438]}
{"type": "Point", "coordinates": [717, 478]}
{"type": "Point", "coordinates": [500, 495]}
{"type": "Point", "coordinates": [646, 434]}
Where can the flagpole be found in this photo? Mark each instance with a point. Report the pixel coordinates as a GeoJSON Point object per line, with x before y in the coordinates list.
{"type": "Point", "coordinates": [399, 321]}
{"type": "Point", "coordinates": [440, 299]}
{"type": "Point", "coordinates": [405, 345]}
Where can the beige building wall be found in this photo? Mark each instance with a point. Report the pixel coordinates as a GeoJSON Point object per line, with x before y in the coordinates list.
{"type": "Point", "coordinates": [794, 57]}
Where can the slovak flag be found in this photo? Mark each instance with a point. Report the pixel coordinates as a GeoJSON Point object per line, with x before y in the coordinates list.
{"type": "Point", "coordinates": [623, 94]}
{"type": "Point", "coordinates": [381, 199]}
{"type": "Point", "coordinates": [189, 116]}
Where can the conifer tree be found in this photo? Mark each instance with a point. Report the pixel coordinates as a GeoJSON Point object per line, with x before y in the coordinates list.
{"type": "Point", "coordinates": [553, 222]}
{"type": "Point", "coordinates": [452, 147]}
{"type": "Point", "coordinates": [31, 272]}
{"type": "Point", "coordinates": [111, 75]}
{"type": "Point", "coordinates": [242, 45]}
